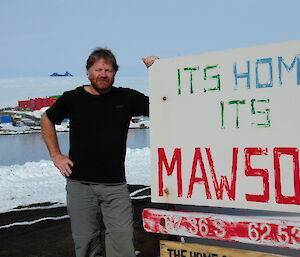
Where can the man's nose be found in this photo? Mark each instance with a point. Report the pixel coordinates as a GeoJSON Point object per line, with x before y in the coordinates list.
{"type": "Point", "coordinates": [103, 73]}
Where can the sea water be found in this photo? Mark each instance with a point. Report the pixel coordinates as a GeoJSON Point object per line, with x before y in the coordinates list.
{"type": "Point", "coordinates": [19, 149]}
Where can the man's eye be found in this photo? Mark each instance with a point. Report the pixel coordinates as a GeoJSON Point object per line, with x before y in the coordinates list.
{"type": "Point", "coordinates": [105, 70]}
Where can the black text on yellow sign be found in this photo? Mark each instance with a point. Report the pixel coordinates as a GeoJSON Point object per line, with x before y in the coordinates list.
{"type": "Point", "coordinates": [176, 249]}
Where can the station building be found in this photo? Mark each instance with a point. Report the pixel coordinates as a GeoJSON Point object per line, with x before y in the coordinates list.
{"type": "Point", "coordinates": [37, 103]}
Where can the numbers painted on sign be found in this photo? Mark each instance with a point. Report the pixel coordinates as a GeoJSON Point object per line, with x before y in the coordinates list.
{"type": "Point", "coordinates": [258, 232]}
{"type": "Point", "coordinates": [295, 235]}
{"type": "Point", "coordinates": [220, 226]}
{"type": "Point", "coordinates": [266, 233]}
{"type": "Point", "coordinates": [201, 226]}
{"type": "Point", "coordinates": [283, 234]}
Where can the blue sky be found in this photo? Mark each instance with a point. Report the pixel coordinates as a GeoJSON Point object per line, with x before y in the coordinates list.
{"type": "Point", "coordinates": [41, 37]}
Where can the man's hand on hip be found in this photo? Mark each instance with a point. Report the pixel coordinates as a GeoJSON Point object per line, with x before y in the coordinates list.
{"type": "Point", "coordinates": [63, 163]}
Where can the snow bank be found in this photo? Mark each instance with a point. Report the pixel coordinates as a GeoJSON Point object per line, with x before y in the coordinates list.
{"type": "Point", "coordinates": [38, 182]}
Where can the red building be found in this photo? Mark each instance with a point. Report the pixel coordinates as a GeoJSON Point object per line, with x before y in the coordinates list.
{"type": "Point", "coordinates": [36, 103]}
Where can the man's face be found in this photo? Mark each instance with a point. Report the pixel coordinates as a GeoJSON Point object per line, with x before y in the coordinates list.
{"type": "Point", "coordinates": [101, 75]}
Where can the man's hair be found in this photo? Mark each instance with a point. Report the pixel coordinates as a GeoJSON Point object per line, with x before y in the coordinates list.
{"type": "Point", "coordinates": [102, 53]}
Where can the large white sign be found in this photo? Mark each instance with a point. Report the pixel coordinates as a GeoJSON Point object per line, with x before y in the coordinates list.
{"type": "Point", "coordinates": [225, 128]}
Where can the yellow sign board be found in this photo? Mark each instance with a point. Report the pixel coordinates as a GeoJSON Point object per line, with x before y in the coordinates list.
{"type": "Point", "coordinates": [177, 249]}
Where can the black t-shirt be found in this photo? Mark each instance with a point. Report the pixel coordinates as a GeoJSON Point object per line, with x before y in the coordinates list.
{"type": "Point", "coordinates": [98, 130]}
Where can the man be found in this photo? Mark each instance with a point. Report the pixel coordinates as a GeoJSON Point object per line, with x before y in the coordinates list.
{"type": "Point", "coordinates": [99, 116]}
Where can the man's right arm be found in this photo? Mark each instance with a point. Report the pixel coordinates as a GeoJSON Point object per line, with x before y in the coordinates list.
{"type": "Point", "coordinates": [62, 162]}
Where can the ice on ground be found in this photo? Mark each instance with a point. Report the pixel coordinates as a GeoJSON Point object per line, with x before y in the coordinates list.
{"type": "Point", "coordinates": [10, 127]}
{"type": "Point", "coordinates": [39, 182]}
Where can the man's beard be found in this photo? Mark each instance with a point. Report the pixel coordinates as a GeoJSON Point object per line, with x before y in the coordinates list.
{"type": "Point", "coordinates": [101, 89]}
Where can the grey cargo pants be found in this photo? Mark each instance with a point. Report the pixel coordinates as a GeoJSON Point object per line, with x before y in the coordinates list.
{"type": "Point", "coordinates": [86, 204]}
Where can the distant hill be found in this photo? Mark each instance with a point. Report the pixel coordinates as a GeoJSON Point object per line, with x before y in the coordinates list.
{"type": "Point", "coordinates": [67, 74]}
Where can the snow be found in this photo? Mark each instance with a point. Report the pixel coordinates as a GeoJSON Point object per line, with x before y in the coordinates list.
{"type": "Point", "coordinates": [34, 221]}
{"type": "Point", "coordinates": [10, 127]}
{"type": "Point", "coordinates": [39, 182]}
